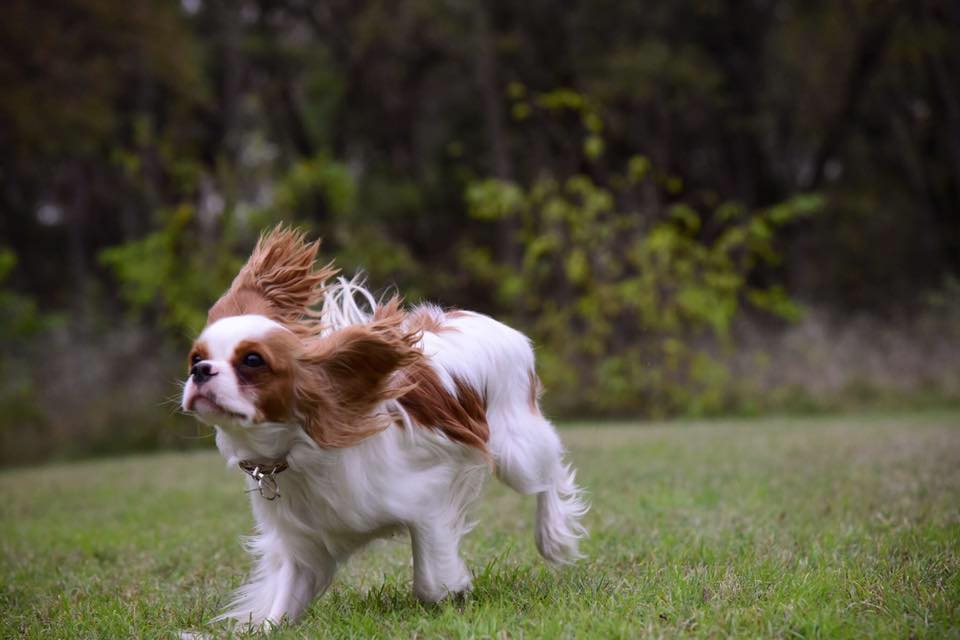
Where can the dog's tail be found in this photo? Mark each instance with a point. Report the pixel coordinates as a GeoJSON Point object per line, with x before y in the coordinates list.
{"type": "Point", "coordinates": [559, 511]}
{"type": "Point", "coordinates": [529, 459]}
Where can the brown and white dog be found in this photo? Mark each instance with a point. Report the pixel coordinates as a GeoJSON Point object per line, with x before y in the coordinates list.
{"type": "Point", "coordinates": [363, 419]}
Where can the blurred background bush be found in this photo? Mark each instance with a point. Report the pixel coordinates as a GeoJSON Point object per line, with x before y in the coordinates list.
{"type": "Point", "coordinates": [694, 207]}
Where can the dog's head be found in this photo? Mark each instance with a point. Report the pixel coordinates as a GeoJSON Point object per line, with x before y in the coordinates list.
{"type": "Point", "coordinates": [262, 357]}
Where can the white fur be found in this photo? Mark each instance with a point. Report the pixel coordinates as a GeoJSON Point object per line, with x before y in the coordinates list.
{"type": "Point", "coordinates": [223, 335]}
{"type": "Point", "coordinates": [221, 338]}
{"type": "Point", "coordinates": [405, 478]}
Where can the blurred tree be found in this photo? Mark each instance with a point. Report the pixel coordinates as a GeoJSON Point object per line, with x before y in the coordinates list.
{"type": "Point", "coordinates": [144, 144]}
{"type": "Point", "coordinates": [20, 324]}
{"type": "Point", "coordinates": [96, 109]}
{"type": "Point", "coordinates": [627, 304]}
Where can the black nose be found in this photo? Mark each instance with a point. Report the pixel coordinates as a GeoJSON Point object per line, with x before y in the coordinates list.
{"type": "Point", "coordinates": [201, 372]}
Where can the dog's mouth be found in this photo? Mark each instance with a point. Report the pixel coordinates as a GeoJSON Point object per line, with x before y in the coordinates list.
{"type": "Point", "coordinates": [204, 405]}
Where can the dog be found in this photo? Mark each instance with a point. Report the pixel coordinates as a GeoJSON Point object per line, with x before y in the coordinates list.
{"type": "Point", "coordinates": [354, 419]}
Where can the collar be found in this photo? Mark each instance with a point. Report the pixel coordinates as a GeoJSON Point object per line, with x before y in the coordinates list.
{"type": "Point", "coordinates": [265, 472]}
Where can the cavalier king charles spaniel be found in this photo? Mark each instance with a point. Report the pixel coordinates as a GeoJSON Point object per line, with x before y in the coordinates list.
{"type": "Point", "coordinates": [353, 419]}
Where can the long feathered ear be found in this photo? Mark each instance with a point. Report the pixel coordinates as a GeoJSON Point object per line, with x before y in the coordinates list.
{"type": "Point", "coordinates": [280, 280]}
{"type": "Point", "coordinates": [345, 375]}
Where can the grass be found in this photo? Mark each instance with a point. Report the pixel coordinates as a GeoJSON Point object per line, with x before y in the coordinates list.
{"type": "Point", "coordinates": [826, 527]}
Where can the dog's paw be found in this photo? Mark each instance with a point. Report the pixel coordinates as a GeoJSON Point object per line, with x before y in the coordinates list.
{"type": "Point", "coordinates": [456, 592]}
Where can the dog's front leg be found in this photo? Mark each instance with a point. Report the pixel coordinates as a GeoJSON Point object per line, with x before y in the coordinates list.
{"type": "Point", "coordinates": [281, 586]}
{"type": "Point", "coordinates": [438, 569]}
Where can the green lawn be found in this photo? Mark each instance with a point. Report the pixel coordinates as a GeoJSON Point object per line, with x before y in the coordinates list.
{"type": "Point", "coordinates": [839, 527]}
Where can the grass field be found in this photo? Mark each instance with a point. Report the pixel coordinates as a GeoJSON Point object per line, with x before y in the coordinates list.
{"type": "Point", "coordinates": [826, 527]}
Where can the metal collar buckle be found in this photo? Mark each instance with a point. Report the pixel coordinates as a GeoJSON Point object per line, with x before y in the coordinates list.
{"type": "Point", "coordinates": [265, 474]}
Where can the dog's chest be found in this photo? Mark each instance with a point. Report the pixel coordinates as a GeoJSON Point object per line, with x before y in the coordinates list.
{"type": "Point", "coordinates": [329, 507]}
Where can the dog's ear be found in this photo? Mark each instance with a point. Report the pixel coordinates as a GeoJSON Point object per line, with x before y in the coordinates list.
{"type": "Point", "coordinates": [280, 280]}
{"type": "Point", "coordinates": [345, 375]}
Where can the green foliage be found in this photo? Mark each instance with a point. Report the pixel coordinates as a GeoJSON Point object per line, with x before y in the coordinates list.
{"type": "Point", "coordinates": [312, 184]}
{"type": "Point", "coordinates": [19, 317]}
{"type": "Point", "coordinates": [319, 193]}
{"type": "Point", "coordinates": [22, 325]}
{"type": "Point", "coordinates": [629, 312]}
{"type": "Point", "coordinates": [171, 276]}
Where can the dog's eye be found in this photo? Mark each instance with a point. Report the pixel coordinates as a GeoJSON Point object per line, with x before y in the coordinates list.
{"type": "Point", "coordinates": [195, 358]}
{"type": "Point", "coordinates": [253, 360]}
